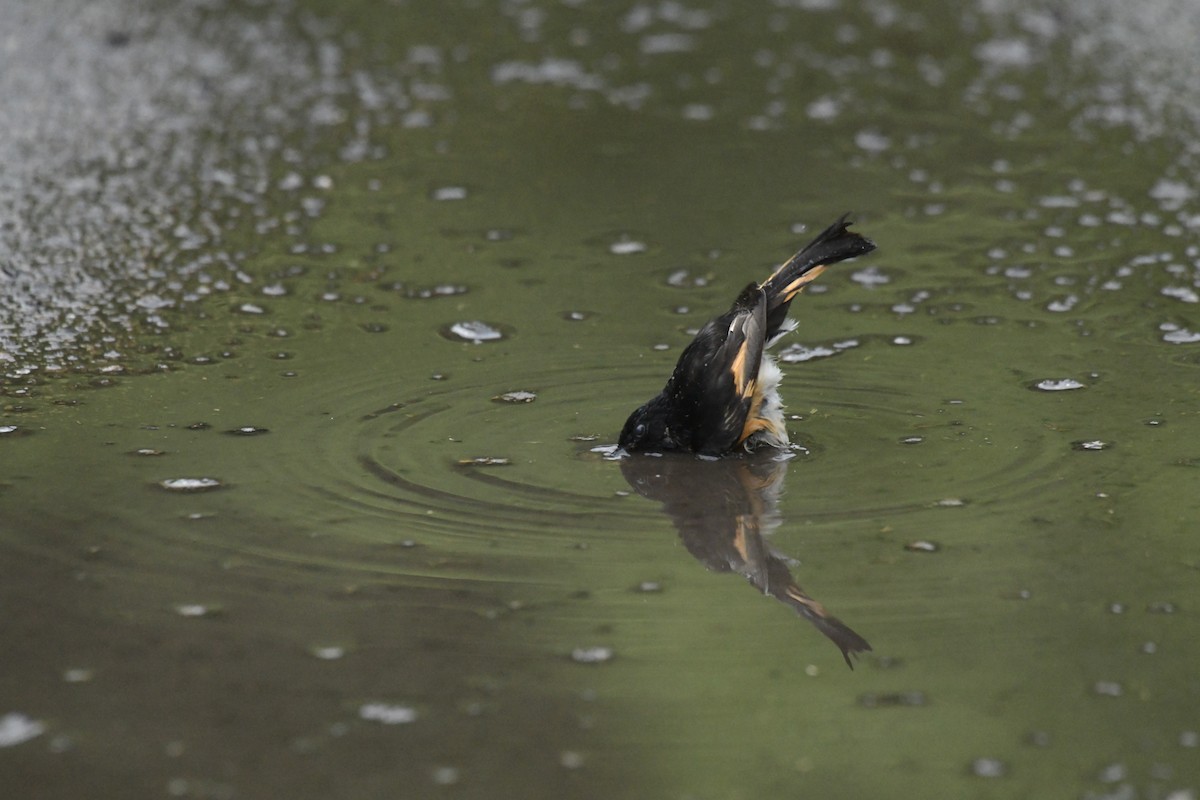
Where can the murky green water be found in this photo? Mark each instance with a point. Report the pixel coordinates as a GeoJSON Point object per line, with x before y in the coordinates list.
{"type": "Point", "coordinates": [405, 587]}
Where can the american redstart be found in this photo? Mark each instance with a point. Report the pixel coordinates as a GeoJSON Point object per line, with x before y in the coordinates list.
{"type": "Point", "coordinates": [724, 392]}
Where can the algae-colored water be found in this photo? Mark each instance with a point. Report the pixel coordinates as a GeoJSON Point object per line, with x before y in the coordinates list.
{"type": "Point", "coordinates": [242, 250]}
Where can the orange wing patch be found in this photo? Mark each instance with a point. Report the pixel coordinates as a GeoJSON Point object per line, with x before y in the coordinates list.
{"type": "Point", "coordinates": [743, 382]}
{"type": "Point", "coordinates": [793, 288]}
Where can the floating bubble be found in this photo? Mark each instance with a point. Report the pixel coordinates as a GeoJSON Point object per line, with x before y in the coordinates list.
{"type": "Point", "coordinates": [188, 485]}
{"type": "Point", "coordinates": [247, 430]}
{"type": "Point", "coordinates": [989, 768]}
{"type": "Point", "coordinates": [196, 610]}
{"type": "Point", "coordinates": [870, 276]}
{"type": "Point", "coordinates": [445, 776]}
{"type": "Point", "coordinates": [327, 652]}
{"type": "Point", "coordinates": [17, 728]}
{"type": "Point", "coordinates": [626, 247]}
{"type": "Point", "coordinates": [1058, 385]}
{"type": "Point", "coordinates": [519, 396]}
{"type": "Point", "coordinates": [592, 655]}
{"type": "Point", "coordinates": [474, 331]}
{"type": "Point", "coordinates": [1181, 336]}
{"type": "Point", "coordinates": [388, 714]}
{"type": "Point", "coordinates": [449, 193]}
{"type": "Point", "coordinates": [685, 278]}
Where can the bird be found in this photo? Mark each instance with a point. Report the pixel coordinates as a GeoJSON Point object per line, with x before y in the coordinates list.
{"type": "Point", "coordinates": [723, 395]}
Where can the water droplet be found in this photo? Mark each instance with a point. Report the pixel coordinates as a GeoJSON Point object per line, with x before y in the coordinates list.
{"type": "Point", "coordinates": [571, 759]}
{"type": "Point", "coordinates": [592, 655]}
{"type": "Point", "coordinates": [247, 430]}
{"type": "Point", "coordinates": [649, 587]}
{"type": "Point", "coordinates": [431, 292]}
{"type": "Point", "coordinates": [626, 247]}
{"type": "Point", "coordinates": [16, 728]}
{"type": "Point", "coordinates": [484, 461]}
{"type": "Point", "coordinates": [191, 484]}
{"type": "Point", "coordinates": [870, 276]}
{"type": "Point", "coordinates": [519, 396]}
{"type": "Point", "coordinates": [989, 768]}
{"type": "Point", "coordinates": [799, 353]}
{"type": "Point", "coordinates": [147, 451]}
{"type": "Point", "coordinates": [922, 546]}
{"type": "Point", "coordinates": [449, 193]}
{"type": "Point", "coordinates": [951, 502]}
{"type": "Point", "coordinates": [77, 675]}
{"type": "Point", "coordinates": [474, 331]}
{"type": "Point", "coordinates": [912, 440]}
{"type": "Point", "coordinates": [1181, 336]}
{"type": "Point", "coordinates": [388, 714]}
{"type": "Point", "coordinates": [327, 652]}
{"type": "Point", "coordinates": [1092, 444]}
{"type": "Point", "coordinates": [1058, 385]}
{"type": "Point", "coordinates": [197, 610]}
{"type": "Point", "coordinates": [1161, 607]}
{"type": "Point", "coordinates": [1108, 688]}
{"type": "Point", "coordinates": [872, 141]}
{"type": "Point", "coordinates": [445, 776]}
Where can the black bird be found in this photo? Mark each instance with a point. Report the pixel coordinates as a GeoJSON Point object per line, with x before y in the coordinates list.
{"type": "Point", "coordinates": [724, 392]}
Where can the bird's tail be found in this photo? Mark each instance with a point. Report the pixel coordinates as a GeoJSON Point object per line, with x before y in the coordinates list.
{"type": "Point", "coordinates": [835, 243]}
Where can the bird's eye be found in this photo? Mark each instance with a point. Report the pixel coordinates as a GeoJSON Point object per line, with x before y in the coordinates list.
{"type": "Point", "coordinates": [640, 430]}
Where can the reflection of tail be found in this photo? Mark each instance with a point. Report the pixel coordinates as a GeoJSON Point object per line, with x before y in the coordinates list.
{"type": "Point", "coordinates": [722, 509]}
{"type": "Point", "coordinates": [834, 629]}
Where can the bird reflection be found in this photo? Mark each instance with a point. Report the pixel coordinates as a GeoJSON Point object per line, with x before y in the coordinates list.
{"type": "Point", "coordinates": [722, 508]}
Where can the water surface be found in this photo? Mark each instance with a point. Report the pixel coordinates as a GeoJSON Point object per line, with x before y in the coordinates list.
{"type": "Point", "coordinates": [261, 248]}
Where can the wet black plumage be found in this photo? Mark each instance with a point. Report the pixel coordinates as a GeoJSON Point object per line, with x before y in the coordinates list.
{"type": "Point", "coordinates": [722, 394]}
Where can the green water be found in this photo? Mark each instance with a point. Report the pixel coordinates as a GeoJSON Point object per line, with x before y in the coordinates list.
{"type": "Point", "coordinates": [357, 613]}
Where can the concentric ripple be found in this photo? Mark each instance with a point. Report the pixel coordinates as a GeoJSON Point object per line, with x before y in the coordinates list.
{"type": "Point", "coordinates": [455, 470]}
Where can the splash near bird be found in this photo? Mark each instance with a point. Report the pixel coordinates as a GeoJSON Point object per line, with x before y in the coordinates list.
{"type": "Point", "coordinates": [724, 392]}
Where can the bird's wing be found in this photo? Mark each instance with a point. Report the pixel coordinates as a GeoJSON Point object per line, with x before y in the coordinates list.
{"type": "Point", "coordinates": [725, 377]}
